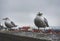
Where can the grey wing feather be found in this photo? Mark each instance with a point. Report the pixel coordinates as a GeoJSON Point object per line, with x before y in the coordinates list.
{"type": "Point", "coordinates": [45, 20]}
{"type": "Point", "coordinates": [13, 23]}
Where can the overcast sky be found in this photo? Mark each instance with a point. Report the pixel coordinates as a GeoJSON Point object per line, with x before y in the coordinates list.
{"type": "Point", "coordinates": [23, 12]}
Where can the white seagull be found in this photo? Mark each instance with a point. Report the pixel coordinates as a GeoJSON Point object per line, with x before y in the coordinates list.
{"type": "Point", "coordinates": [9, 23]}
{"type": "Point", "coordinates": [40, 21]}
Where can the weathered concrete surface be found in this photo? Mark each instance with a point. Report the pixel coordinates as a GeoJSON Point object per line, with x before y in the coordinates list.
{"type": "Point", "coordinates": [10, 37]}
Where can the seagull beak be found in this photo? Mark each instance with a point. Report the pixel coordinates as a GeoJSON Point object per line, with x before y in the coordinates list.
{"type": "Point", "coordinates": [4, 19]}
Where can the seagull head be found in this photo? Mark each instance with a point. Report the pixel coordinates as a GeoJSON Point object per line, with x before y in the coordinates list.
{"type": "Point", "coordinates": [6, 18]}
{"type": "Point", "coordinates": [39, 14]}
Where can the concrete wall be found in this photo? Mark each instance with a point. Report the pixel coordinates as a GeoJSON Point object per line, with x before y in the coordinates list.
{"type": "Point", "coordinates": [9, 37]}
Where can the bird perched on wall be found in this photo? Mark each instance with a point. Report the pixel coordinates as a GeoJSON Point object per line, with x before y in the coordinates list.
{"type": "Point", "coordinates": [8, 23]}
{"type": "Point", "coordinates": [40, 21]}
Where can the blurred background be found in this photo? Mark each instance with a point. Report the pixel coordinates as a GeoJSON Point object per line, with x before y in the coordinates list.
{"type": "Point", "coordinates": [23, 12]}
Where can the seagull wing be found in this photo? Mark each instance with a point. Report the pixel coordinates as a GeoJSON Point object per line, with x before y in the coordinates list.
{"type": "Point", "coordinates": [46, 22]}
{"type": "Point", "coordinates": [13, 23]}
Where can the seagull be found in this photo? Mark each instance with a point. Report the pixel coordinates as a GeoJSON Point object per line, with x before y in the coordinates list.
{"type": "Point", "coordinates": [9, 23]}
{"type": "Point", "coordinates": [40, 21]}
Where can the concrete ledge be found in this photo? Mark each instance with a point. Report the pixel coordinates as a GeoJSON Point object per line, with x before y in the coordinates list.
{"type": "Point", "coordinates": [10, 37]}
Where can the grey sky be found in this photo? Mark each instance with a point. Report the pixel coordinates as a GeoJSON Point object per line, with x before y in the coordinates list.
{"type": "Point", "coordinates": [22, 12]}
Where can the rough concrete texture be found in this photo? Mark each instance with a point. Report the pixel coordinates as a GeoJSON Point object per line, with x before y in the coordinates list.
{"type": "Point", "coordinates": [9, 37]}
